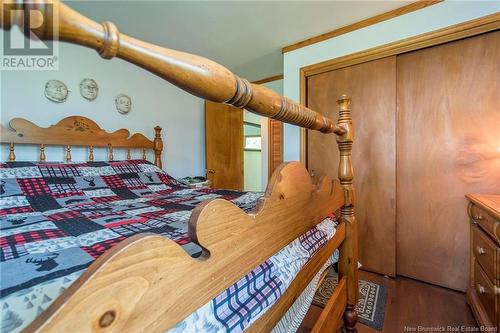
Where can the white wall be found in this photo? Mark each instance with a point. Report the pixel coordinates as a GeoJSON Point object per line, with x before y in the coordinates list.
{"type": "Point", "coordinates": [252, 160]}
{"type": "Point", "coordinates": [256, 163]}
{"type": "Point", "coordinates": [250, 117]}
{"type": "Point", "coordinates": [431, 18]}
{"type": "Point", "coordinates": [253, 172]}
{"type": "Point", "coordinates": [154, 102]}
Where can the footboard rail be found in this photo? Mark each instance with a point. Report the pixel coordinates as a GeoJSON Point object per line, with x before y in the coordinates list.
{"type": "Point", "coordinates": [149, 283]}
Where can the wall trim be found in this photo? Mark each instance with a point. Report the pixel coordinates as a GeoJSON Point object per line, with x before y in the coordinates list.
{"type": "Point", "coordinates": [440, 36]}
{"type": "Point", "coordinates": [269, 79]}
{"type": "Point", "coordinates": [362, 24]}
{"type": "Point", "coordinates": [455, 32]}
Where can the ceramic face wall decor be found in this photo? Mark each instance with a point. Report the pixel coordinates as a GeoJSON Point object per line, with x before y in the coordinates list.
{"type": "Point", "coordinates": [123, 103]}
{"type": "Point", "coordinates": [89, 89]}
{"type": "Point", "coordinates": [56, 91]}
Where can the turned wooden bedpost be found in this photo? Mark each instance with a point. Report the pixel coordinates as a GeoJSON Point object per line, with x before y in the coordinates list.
{"type": "Point", "coordinates": [158, 146]}
{"type": "Point", "coordinates": [68, 153]}
{"type": "Point", "coordinates": [111, 157]}
{"type": "Point", "coordinates": [196, 75]}
{"type": "Point", "coordinates": [12, 154]}
{"type": "Point", "coordinates": [348, 265]}
{"type": "Point", "coordinates": [42, 156]}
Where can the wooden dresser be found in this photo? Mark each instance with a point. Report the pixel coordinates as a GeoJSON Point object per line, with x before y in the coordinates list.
{"type": "Point", "coordinates": [483, 293]}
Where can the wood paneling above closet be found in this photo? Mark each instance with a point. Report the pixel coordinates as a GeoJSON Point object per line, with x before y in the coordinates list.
{"type": "Point", "coordinates": [372, 86]}
{"type": "Point", "coordinates": [448, 136]}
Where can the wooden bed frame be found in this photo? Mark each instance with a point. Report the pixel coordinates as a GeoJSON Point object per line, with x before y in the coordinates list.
{"type": "Point", "coordinates": [140, 285]}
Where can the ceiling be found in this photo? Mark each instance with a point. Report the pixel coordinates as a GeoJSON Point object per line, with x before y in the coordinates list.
{"type": "Point", "coordinates": [245, 36]}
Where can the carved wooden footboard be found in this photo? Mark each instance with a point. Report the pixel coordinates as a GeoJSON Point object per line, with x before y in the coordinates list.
{"type": "Point", "coordinates": [149, 283]}
{"type": "Point", "coordinates": [136, 286]}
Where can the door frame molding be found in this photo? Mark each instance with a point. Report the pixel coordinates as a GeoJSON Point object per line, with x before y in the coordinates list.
{"type": "Point", "coordinates": [269, 130]}
{"type": "Point", "coordinates": [454, 32]}
{"type": "Point", "coordinates": [269, 79]}
{"type": "Point", "coordinates": [270, 144]}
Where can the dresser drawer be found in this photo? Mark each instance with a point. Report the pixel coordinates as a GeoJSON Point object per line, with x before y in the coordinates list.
{"type": "Point", "coordinates": [486, 221]}
{"type": "Point", "coordinates": [486, 292]}
{"type": "Point", "coordinates": [486, 253]}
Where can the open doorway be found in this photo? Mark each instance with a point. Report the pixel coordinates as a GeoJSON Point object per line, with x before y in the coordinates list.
{"type": "Point", "coordinates": [262, 150]}
{"type": "Point", "coordinates": [254, 161]}
{"type": "Point", "coordinates": [242, 149]}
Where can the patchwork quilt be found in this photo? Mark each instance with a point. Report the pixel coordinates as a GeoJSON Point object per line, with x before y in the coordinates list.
{"type": "Point", "coordinates": [56, 219]}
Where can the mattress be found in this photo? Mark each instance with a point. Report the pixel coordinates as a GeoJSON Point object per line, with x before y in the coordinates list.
{"type": "Point", "coordinates": [56, 219]}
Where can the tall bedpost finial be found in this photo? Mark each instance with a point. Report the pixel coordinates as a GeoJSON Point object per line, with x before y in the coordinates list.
{"type": "Point", "coordinates": [349, 249]}
{"type": "Point", "coordinates": [158, 146]}
{"type": "Point", "coordinates": [344, 142]}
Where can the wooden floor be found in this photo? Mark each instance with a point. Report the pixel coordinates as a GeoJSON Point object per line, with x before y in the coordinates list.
{"type": "Point", "coordinates": [411, 303]}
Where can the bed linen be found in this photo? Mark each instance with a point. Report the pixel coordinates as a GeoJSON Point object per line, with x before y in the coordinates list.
{"type": "Point", "coordinates": [291, 320]}
{"type": "Point", "coordinates": [56, 219]}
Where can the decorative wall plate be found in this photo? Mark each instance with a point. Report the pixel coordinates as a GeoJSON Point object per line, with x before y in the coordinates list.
{"type": "Point", "coordinates": [123, 103]}
{"type": "Point", "coordinates": [89, 89]}
{"type": "Point", "coordinates": [56, 91]}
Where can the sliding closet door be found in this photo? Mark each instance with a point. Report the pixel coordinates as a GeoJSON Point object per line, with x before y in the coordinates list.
{"type": "Point", "coordinates": [372, 86]}
{"type": "Point", "coordinates": [447, 146]}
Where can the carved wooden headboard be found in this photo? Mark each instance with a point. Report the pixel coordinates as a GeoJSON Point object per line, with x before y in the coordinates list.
{"type": "Point", "coordinates": [78, 131]}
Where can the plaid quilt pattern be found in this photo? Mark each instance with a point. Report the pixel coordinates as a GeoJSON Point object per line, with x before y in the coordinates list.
{"type": "Point", "coordinates": [249, 296]}
{"type": "Point", "coordinates": [239, 306]}
{"type": "Point", "coordinates": [52, 209]}
{"type": "Point", "coordinates": [56, 219]}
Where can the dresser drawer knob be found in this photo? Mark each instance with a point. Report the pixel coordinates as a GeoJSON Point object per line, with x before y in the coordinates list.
{"type": "Point", "coordinates": [480, 250]}
{"type": "Point", "coordinates": [481, 289]}
{"type": "Point", "coordinates": [478, 217]}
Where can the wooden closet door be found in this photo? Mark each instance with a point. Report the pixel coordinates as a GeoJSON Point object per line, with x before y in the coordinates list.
{"type": "Point", "coordinates": [372, 86]}
{"type": "Point", "coordinates": [224, 145]}
{"type": "Point", "coordinates": [447, 146]}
